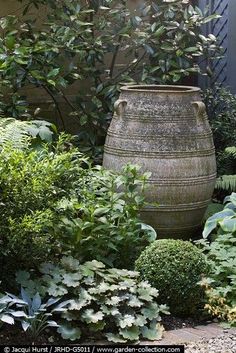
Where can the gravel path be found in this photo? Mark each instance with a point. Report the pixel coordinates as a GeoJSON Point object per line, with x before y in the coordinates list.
{"type": "Point", "coordinates": [225, 343]}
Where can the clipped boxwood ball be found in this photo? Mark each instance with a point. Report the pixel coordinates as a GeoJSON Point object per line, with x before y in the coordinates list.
{"type": "Point", "coordinates": [174, 267]}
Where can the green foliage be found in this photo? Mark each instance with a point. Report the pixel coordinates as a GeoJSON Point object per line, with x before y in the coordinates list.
{"type": "Point", "coordinates": [226, 182]}
{"type": "Point", "coordinates": [221, 108]}
{"type": "Point", "coordinates": [31, 182]}
{"type": "Point", "coordinates": [174, 267]}
{"type": "Point", "coordinates": [53, 201]}
{"type": "Point", "coordinates": [227, 169]}
{"type": "Point", "coordinates": [33, 315]}
{"type": "Point", "coordinates": [220, 285]}
{"type": "Point", "coordinates": [24, 134]}
{"type": "Point", "coordinates": [223, 222]}
{"type": "Point", "coordinates": [85, 42]}
{"type": "Point", "coordinates": [102, 222]}
{"type": "Point", "coordinates": [212, 208]}
{"type": "Point", "coordinates": [110, 302]}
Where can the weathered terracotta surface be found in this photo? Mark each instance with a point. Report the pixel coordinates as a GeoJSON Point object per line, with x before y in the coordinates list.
{"type": "Point", "coordinates": [165, 130]}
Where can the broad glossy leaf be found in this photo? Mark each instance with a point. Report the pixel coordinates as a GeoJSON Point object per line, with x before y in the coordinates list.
{"type": "Point", "coordinates": [36, 302]}
{"type": "Point", "coordinates": [7, 319]}
{"type": "Point", "coordinates": [228, 225]}
{"type": "Point", "coordinates": [18, 314]}
{"type": "Point", "coordinates": [25, 325]}
{"type": "Point", "coordinates": [212, 222]}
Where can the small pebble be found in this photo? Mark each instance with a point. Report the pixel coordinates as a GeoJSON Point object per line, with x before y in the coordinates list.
{"type": "Point", "coordinates": [225, 343]}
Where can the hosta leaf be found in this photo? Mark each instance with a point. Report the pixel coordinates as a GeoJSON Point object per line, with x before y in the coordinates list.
{"type": "Point", "coordinates": [68, 332]}
{"type": "Point", "coordinates": [126, 321]}
{"type": "Point", "coordinates": [212, 222]}
{"type": "Point", "coordinates": [131, 333]}
{"type": "Point", "coordinates": [52, 301]}
{"type": "Point", "coordinates": [115, 338]}
{"type": "Point", "coordinates": [151, 233]}
{"type": "Point", "coordinates": [92, 317]}
{"type": "Point", "coordinates": [7, 319]}
{"type": "Point", "coordinates": [18, 314]}
{"type": "Point", "coordinates": [51, 323]}
{"type": "Point", "coordinates": [25, 325]}
{"type": "Point", "coordinates": [36, 302]}
{"type": "Point", "coordinates": [25, 296]}
{"type": "Point", "coordinates": [228, 225]}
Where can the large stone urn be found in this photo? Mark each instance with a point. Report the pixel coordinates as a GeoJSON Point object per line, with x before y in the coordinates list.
{"type": "Point", "coordinates": [165, 130]}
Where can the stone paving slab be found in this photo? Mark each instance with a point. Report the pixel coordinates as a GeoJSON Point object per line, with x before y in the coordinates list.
{"type": "Point", "coordinates": [188, 335]}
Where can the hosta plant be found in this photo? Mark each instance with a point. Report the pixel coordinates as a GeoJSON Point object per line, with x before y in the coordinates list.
{"type": "Point", "coordinates": [33, 314]}
{"type": "Point", "coordinates": [111, 302]}
{"type": "Point", "coordinates": [220, 285]}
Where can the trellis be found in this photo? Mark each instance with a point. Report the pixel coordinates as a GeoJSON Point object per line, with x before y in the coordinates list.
{"type": "Point", "coordinates": [220, 29]}
{"type": "Point", "coordinates": [224, 28]}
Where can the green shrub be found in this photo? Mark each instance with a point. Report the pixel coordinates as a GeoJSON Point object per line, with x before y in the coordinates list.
{"type": "Point", "coordinates": [220, 284]}
{"type": "Point", "coordinates": [174, 267]}
{"type": "Point", "coordinates": [84, 42]}
{"type": "Point", "coordinates": [221, 108]}
{"type": "Point", "coordinates": [53, 201]}
{"type": "Point", "coordinates": [110, 302]}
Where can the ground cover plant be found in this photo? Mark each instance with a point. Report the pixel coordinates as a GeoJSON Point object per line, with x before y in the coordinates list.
{"type": "Point", "coordinates": [99, 301]}
{"type": "Point", "coordinates": [220, 285]}
{"type": "Point", "coordinates": [175, 267]}
{"type": "Point", "coordinates": [83, 42]}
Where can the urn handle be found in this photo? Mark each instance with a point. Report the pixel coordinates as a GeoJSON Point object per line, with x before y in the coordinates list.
{"type": "Point", "coordinates": [119, 107]}
{"type": "Point", "coordinates": [200, 110]}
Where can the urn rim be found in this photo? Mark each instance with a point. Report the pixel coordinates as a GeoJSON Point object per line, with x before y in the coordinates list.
{"type": "Point", "coordinates": [161, 89]}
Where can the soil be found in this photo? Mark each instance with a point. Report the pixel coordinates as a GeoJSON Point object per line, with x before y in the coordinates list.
{"type": "Point", "coordinates": [174, 323]}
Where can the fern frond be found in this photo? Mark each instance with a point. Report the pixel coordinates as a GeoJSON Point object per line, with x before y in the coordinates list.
{"type": "Point", "coordinates": [226, 183]}
{"type": "Point", "coordinates": [14, 132]}
{"type": "Point", "coordinates": [231, 151]}
{"type": "Point", "coordinates": [20, 134]}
